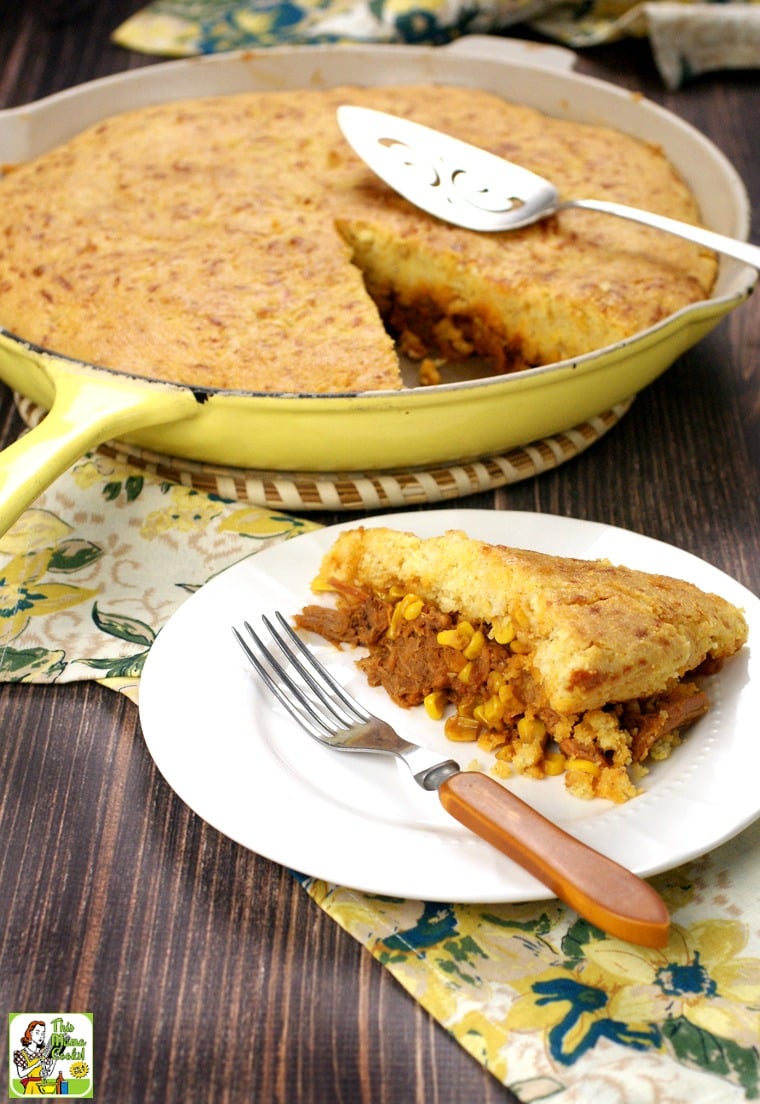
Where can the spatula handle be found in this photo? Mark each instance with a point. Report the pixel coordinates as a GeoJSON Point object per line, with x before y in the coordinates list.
{"type": "Point", "coordinates": [598, 888]}
{"type": "Point", "coordinates": [731, 247]}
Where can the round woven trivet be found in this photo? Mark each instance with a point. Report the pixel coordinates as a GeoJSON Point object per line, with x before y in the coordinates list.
{"type": "Point", "coordinates": [300, 491]}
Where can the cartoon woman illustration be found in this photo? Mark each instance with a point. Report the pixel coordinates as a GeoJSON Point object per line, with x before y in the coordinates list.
{"type": "Point", "coordinates": [33, 1061]}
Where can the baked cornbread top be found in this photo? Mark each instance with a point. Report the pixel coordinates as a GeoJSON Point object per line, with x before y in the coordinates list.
{"type": "Point", "coordinates": [596, 633]}
{"type": "Point", "coordinates": [210, 242]}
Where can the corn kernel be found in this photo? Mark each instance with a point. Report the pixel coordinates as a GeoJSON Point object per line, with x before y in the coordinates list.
{"type": "Point", "coordinates": [465, 630]}
{"type": "Point", "coordinates": [435, 703]}
{"type": "Point", "coordinates": [489, 713]}
{"type": "Point", "coordinates": [584, 765]}
{"type": "Point", "coordinates": [531, 728]}
{"type": "Point", "coordinates": [429, 372]}
{"type": "Point", "coordinates": [450, 638]}
{"type": "Point", "coordinates": [493, 710]}
{"type": "Point", "coordinates": [507, 697]}
{"type": "Point", "coordinates": [411, 607]}
{"type": "Point", "coordinates": [503, 632]}
{"type": "Point", "coordinates": [554, 763]}
{"type": "Point", "coordinates": [322, 586]}
{"type": "Point", "coordinates": [406, 609]}
{"type": "Point", "coordinates": [519, 615]}
{"type": "Point", "coordinates": [466, 673]}
{"type": "Point", "coordinates": [519, 647]}
{"type": "Point", "coordinates": [461, 729]}
{"type": "Point", "coordinates": [495, 681]}
{"type": "Point", "coordinates": [475, 646]}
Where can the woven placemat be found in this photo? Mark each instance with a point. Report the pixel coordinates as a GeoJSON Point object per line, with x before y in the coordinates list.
{"type": "Point", "coordinates": [303, 491]}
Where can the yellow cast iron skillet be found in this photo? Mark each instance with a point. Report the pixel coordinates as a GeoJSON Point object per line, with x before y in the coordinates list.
{"type": "Point", "coordinates": [358, 432]}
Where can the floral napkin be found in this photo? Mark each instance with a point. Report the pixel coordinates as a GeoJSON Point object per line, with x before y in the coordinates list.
{"type": "Point", "coordinates": [553, 1008]}
{"type": "Point", "coordinates": [688, 37]}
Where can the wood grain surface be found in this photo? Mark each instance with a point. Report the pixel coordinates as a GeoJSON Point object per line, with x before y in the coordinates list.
{"type": "Point", "coordinates": [211, 974]}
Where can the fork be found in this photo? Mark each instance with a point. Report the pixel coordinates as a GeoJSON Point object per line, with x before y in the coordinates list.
{"type": "Point", "coordinates": [599, 889]}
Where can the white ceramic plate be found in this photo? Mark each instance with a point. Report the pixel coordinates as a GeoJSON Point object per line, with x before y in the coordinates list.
{"type": "Point", "coordinates": [240, 763]}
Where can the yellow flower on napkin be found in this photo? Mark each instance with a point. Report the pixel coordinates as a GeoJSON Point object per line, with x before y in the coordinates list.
{"type": "Point", "coordinates": [699, 976]}
{"type": "Point", "coordinates": [24, 593]}
{"type": "Point", "coordinates": [401, 7]}
{"type": "Point", "coordinates": [263, 524]}
{"type": "Point", "coordinates": [186, 510]}
{"type": "Point", "coordinates": [695, 999]}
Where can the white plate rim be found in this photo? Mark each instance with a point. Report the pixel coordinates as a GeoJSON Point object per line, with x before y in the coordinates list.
{"type": "Point", "coordinates": [253, 775]}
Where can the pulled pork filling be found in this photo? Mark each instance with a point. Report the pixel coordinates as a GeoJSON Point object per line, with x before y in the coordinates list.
{"type": "Point", "coordinates": [484, 688]}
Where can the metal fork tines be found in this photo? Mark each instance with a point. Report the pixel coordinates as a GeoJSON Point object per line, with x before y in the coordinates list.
{"type": "Point", "coordinates": [600, 889]}
{"type": "Point", "coordinates": [324, 709]}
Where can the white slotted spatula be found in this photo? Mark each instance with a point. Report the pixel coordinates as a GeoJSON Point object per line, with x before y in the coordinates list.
{"type": "Point", "coordinates": [468, 186]}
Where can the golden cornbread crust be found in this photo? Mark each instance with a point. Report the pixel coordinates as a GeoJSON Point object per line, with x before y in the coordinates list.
{"type": "Point", "coordinates": [237, 242]}
{"type": "Point", "coordinates": [594, 653]}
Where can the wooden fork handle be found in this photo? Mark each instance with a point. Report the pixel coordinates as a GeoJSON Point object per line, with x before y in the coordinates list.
{"type": "Point", "coordinates": [599, 889]}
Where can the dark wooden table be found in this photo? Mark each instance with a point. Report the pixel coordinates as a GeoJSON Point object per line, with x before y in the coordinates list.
{"type": "Point", "coordinates": [211, 974]}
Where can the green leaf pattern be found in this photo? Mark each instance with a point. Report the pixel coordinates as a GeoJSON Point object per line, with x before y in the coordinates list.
{"type": "Point", "coordinates": [685, 42]}
{"type": "Point", "coordinates": [138, 547]}
{"type": "Point", "coordinates": [554, 1007]}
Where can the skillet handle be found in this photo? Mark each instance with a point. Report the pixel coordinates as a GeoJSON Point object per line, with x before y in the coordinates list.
{"type": "Point", "coordinates": [89, 407]}
{"type": "Point", "coordinates": [602, 891]}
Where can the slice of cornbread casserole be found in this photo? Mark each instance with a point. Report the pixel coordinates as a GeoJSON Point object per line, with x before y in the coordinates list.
{"type": "Point", "coordinates": [554, 664]}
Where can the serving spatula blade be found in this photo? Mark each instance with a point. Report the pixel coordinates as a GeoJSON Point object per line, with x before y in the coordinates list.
{"type": "Point", "coordinates": [470, 187]}
{"type": "Point", "coordinates": [448, 178]}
